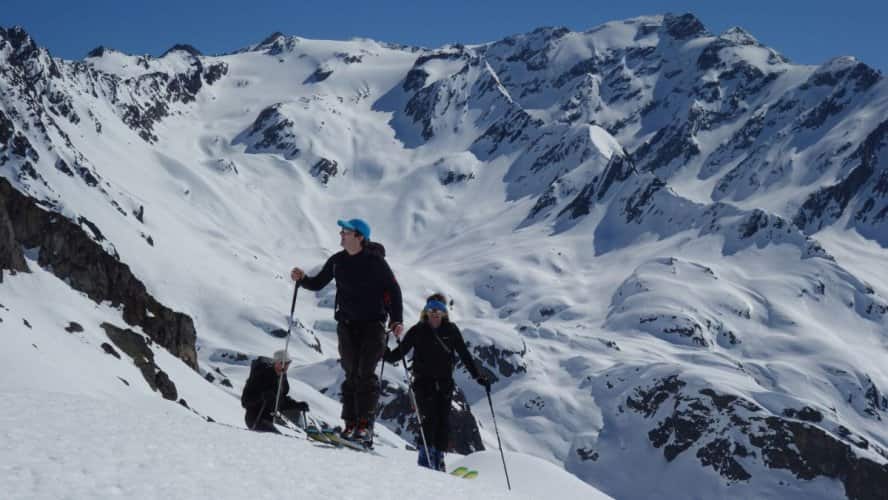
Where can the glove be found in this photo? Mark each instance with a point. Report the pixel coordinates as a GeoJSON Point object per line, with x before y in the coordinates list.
{"type": "Point", "coordinates": [301, 406]}
{"type": "Point", "coordinates": [483, 381]}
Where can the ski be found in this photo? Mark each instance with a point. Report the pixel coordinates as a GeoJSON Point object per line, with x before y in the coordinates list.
{"type": "Point", "coordinates": [323, 433]}
{"type": "Point", "coordinates": [335, 433]}
{"type": "Point", "coordinates": [464, 472]}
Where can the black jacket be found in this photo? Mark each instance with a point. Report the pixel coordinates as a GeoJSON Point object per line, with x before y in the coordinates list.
{"type": "Point", "coordinates": [261, 389]}
{"type": "Point", "coordinates": [366, 289]}
{"type": "Point", "coordinates": [434, 351]}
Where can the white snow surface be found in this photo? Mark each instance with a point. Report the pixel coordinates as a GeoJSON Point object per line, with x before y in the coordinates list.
{"type": "Point", "coordinates": [64, 446]}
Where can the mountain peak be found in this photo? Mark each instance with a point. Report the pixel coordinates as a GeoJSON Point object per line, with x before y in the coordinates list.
{"type": "Point", "coordinates": [18, 38]}
{"type": "Point", "coordinates": [683, 27]}
{"type": "Point", "coordinates": [739, 36]}
{"type": "Point", "coordinates": [183, 47]}
{"type": "Point", "coordinates": [271, 39]}
{"type": "Point", "coordinates": [98, 51]}
{"type": "Point", "coordinates": [274, 44]}
{"type": "Point", "coordinates": [840, 68]}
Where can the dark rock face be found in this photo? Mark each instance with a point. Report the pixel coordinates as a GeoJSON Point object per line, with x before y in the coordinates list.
{"type": "Point", "coordinates": [455, 177]}
{"type": "Point", "coordinates": [324, 169]}
{"type": "Point", "coordinates": [214, 72]}
{"type": "Point", "coordinates": [109, 349]}
{"type": "Point", "coordinates": [828, 204]}
{"type": "Point", "coordinates": [683, 27]}
{"type": "Point", "coordinates": [724, 428]}
{"type": "Point", "coordinates": [398, 412]}
{"type": "Point", "coordinates": [506, 362]}
{"type": "Point", "coordinates": [277, 132]}
{"type": "Point", "coordinates": [73, 256]}
{"type": "Point", "coordinates": [184, 47]}
{"type": "Point", "coordinates": [134, 346]}
{"type": "Point", "coordinates": [10, 252]}
{"type": "Point", "coordinates": [319, 75]}
{"type": "Point", "coordinates": [73, 327]}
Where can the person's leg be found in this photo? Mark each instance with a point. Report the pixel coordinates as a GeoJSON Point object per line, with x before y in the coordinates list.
{"type": "Point", "coordinates": [372, 347]}
{"type": "Point", "coordinates": [443, 399]}
{"type": "Point", "coordinates": [348, 355]}
{"type": "Point", "coordinates": [263, 425]}
{"type": "Point", "coordinates": [293, 413]}
{"type": "Point", "coordinates": [424, 390]}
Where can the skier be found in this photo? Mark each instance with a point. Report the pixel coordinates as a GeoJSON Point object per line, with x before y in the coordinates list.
{"type": "Point", "coordinates": [262, 388]}
{"type": "Point", "coordinates": [435, 341]}
{"type": "Point", "coordinates": [366, 292]}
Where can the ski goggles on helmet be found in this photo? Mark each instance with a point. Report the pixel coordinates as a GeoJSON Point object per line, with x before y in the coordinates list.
{"type": "Point", "coordinates": [435, 305]}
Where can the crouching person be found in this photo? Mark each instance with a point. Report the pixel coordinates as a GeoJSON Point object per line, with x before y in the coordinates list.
{"type": "Point", "coordinates": [261, 389]}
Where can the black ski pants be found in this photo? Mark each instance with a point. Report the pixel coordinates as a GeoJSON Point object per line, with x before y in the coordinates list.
{"type": "Point", "coordinates": [434, 397]}
{"type": "Point", "coordinates": [361, 346]}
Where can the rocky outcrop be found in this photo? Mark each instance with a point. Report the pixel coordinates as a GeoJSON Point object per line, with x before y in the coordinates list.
{"type": "Point", "coordinates": [11, 257]}
{"type": "Point", "coordinates": [726, 430]}
{"type": "Point", "coordinates": [135, 346]}
{"type": "Point", "coordinates": [70, 254]}
{"type": "Point", "coordinates": [397, 411]}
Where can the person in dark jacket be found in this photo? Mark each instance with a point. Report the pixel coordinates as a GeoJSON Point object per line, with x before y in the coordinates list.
{"type": "Point", "coordinates": [262, 388]}
{"type": "Point", "coordinates": [366, 294]}
{"type": "Point", "coordinates": [435, 342]}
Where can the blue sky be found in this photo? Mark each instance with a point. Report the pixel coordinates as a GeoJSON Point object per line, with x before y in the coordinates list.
{"type": "Point", "coordinates": [808, 32]}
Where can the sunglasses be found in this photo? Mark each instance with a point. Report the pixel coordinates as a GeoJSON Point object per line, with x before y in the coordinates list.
{"type": "Point", "coordinates": [434, 305]}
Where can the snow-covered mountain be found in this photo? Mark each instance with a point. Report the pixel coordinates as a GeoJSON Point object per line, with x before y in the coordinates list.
{"type": "Point", "coordinates": [665, 245]}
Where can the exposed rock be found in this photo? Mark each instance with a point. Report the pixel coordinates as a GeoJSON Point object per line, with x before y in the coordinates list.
{"type": "Point", "coordinates": [703, 421]}
{"type": "Point", "coordinates": [506, 362]}
{"type": "Point", "coordinates": [320, 74]}
{"type": "Point", "coordinates": [11, 256]}
{"type": "Point", "coordinates": [71, 255]}
{"type": "Point", "coordinates": [134, 346]}
{"type": "Point", "coordinates": [324, 169]}
{"type": "Point", "coordinates": [73, 327]}
{"type": "Point", "coordinates": [110, 350]}
{"type": "Point", "coordinates": [184, 47]}
{"type": "Point", "coordinates": [683, 27]}
{"type": "Point", "coordinates": [397, 411]}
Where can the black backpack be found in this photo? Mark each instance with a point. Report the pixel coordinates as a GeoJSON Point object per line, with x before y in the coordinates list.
{"type": "Point", "coordinates": [375, 248]}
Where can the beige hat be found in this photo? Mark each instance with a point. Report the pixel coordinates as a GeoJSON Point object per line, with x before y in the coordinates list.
{"type": "Point", "coordinates": [281, 356]}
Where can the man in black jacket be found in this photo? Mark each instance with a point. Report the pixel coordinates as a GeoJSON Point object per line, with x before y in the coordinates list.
{"type": "Point", "coordinates": [366, 293]}
{"type": "Point", "coordinates": [262, 388]}
{"type": "Point", "coordinates": [435, 342]}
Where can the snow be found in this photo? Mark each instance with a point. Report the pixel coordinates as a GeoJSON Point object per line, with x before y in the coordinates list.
{"type": "Point", "coordinates": [79, 423]}
{"type": "Point", "coordinates": [59, 445]}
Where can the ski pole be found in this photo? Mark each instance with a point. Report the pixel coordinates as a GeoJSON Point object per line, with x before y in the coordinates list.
{"type": "Point", "coordinates": [490, 401]}
{"type": "Point", "coordinates": [286, 349]}
{"type": "Point", "coordinates": [425, 445]}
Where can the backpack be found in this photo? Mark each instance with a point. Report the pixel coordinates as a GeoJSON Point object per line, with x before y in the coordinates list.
{"type": "Point", "coordinates": [377, 249]}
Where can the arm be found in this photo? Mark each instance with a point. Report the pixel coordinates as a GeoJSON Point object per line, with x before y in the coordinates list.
{"type": "Point", "coordinates": [464, 354]}
{"type": "Point", "coordinates": [392, 294]}
{"type": "Point", "coordinates": [315, 283]}
{"type": "Point", "coordinates": [393, 355]}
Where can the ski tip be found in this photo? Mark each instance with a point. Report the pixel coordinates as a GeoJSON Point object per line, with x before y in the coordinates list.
{"type": "Point", "coordinates": [459, 471]}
